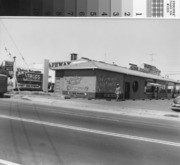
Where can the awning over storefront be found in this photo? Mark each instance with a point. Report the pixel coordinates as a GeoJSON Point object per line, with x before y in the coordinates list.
{"type": "Point", "coordinates": [150, 80]}
{"type": "Point", "coordinates": [154, 84]}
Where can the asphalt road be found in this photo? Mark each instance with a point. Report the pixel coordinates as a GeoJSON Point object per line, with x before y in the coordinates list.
{"type": "Point", "coordinates": [34, 134]}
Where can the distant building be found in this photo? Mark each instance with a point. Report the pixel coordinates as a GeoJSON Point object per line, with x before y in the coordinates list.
{"type": "Point", "coordinates": [94, 79]}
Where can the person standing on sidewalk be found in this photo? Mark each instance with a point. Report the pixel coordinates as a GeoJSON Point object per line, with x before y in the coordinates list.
{"type": "Point", "coordinates": [118, 92]}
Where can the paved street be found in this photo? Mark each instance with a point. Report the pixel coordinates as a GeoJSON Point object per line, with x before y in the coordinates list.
{"type": "Point", "coordinates": [33, 133]}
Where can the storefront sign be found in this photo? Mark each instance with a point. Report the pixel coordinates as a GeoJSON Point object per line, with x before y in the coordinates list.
{"type": "Point", "coordinates": [55, 65]}
{"type": "Point", "coordinates": [9, 65]}
{"type": "Point", "coordinates": [152, 69]}
{"type": "Point", "coordinates": [80, 84]}
{"type": "Point", "coordinates": [29, 80]}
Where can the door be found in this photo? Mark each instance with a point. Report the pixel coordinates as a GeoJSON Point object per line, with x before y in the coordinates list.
{"type": "Point", "coordinates": [127, 90]}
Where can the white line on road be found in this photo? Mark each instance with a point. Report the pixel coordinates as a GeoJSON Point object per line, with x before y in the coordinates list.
{"type": "Point", "coordinates": [138, 138]}
{"type": "Point", "coordinates": [4, 162]}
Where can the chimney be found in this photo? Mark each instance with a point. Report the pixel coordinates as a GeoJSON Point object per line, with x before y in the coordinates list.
{"type": "Point", "coordinates": [73, 56]}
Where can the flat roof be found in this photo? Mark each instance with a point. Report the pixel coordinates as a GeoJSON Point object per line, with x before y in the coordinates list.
{"type": "Point", "coordinates": [92, 64]}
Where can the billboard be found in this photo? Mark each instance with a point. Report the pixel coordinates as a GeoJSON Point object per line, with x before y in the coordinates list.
{"type": "Point", "coordinates": [29, 80]}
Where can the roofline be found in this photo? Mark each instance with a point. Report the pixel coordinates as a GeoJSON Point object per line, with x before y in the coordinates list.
{"type": "Point", "coordinates": [160, 77]}
{"type": "Point", "coordinates": [156, 78]}
{"type": "Point", "coordinates": [75, 68]}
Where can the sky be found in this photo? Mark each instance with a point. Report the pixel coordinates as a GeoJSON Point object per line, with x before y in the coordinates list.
{"type": "Point", "coordinates": [123, 41]}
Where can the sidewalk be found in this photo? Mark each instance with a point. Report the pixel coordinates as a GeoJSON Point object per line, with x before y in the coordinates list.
{"type": "Point", "coordinates": [139, 108]}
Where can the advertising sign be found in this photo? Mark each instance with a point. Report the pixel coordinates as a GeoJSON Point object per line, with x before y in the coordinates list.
{"type": "Point", "coordinates": [55, 65]}
{"type": "Point", "coordinates": [150, 69]}
{"type": "Point", "coordinates": [9, 67]}
{"type": "Point", "coordinates": [80, 84]}
{"type": "Point", "coordinates": [32, 77]}
{"type": "Point", "coordinates": [29, 80]}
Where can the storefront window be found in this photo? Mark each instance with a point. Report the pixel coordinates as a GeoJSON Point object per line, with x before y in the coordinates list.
{"type": "Point", "coordinates": [154, 87]}
{"type": "Point", "coordinates": [147, 88]}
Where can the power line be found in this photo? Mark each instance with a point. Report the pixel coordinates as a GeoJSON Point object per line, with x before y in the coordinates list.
{"type": "Point", "coordinates": [14, 42]}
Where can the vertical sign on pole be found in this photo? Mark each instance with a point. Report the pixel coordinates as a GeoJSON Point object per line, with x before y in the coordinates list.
{"type": "Point", "coordinates": [46, 75]}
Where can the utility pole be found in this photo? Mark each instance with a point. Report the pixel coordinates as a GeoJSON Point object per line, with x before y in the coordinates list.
{"type": "Point", "coordinates": [14, 75]}
{"type": "Point", "coordinates": [46, 75]}
{"type": "Point", "coordinates": [15, 82]}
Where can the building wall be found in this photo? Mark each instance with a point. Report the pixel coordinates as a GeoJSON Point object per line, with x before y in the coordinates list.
{"type": "Point", "coordinates": [102, 84]}
{"type": "Point", "coordinates": [59, 81]}
{"type": "Point", "coordinates": [106, 83]}
{"type": "Point", "coordinates": [135, 91]}
{"type": "Point", "coordinates": [76, 83]}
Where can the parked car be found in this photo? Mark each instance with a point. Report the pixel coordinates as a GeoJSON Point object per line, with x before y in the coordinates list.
{"type": "Point", "coordinates": [175, 106]}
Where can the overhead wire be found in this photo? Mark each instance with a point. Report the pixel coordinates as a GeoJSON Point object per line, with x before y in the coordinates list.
{"type": "Point", "coordinates": [10, 36]}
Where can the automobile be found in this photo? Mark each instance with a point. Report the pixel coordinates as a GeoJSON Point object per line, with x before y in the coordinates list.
{"type": "Point", "coordinates": [175, 106]}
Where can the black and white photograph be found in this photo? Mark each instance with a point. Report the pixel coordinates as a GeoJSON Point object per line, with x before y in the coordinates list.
{"type": "Point", "coordinates": [89, 91]}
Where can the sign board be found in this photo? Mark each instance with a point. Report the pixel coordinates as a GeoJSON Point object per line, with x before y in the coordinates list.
{"type": "Point", "coordinates": [80, 84]}
{"type": "Point", "coordinates": [133, 66]}
{"type": "Point", "coordinates": [32, 77]}
{"type": "Point", "coordinates": [9, 65]}
{"type": "Point", "coordinates": [55, 65]}
{"type": "Point", "coordinates": [29, 80]}
{"type": "Point", "coordinates": [150, 69]}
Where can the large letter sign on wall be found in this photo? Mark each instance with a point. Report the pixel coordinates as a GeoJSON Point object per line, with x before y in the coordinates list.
{"type": "Point", "coordinates": [80, 84]}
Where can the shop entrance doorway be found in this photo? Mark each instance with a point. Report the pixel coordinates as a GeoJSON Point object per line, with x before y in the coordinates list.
{"type": "Point", "coordinates": [127, 90]}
